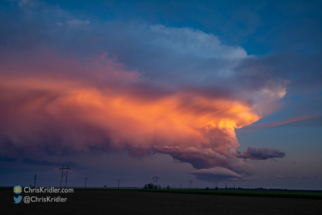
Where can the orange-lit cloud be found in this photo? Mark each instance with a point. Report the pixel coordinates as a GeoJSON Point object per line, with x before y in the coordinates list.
{"type": "Point", "coordinates": [63, 115]}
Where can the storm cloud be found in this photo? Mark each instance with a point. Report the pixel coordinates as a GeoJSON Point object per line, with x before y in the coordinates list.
{"type": "Point", "coordinates": [69, 86]}
{"type": "Point", "coordinates": [261, 153]}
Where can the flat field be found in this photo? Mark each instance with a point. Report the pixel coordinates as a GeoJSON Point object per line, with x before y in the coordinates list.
{"type": "Point", "coordinates": [107, 201]}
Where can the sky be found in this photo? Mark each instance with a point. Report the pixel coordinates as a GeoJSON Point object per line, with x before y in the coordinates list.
{"type": "Point", "coordinates": [218, 92]}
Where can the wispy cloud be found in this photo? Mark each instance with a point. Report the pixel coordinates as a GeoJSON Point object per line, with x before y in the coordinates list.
{"type": "Point", "coordinates": [261, 153]}
{"type": "Point", "coordinates": [312, 177]}
{"type": "Point", "coordinates": [77, 22]}
{"type": "Point", "coordinates": [284, 122]}
{"type": "Point", "coordinates": [285, 177]}
{"type": "Point", "coordinates": [215, 174]}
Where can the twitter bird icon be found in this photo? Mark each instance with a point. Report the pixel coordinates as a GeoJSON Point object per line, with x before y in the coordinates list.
{"type": "Point", "coordinates": [17, 199]}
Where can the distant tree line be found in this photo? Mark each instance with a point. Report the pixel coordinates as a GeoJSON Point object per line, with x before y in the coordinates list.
{"type": "Point", "coordinates": [216, 188]}
{"type": "Point", "coordinates": [151, 186]}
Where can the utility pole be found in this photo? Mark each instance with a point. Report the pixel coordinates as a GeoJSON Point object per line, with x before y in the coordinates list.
{"type": "Point", "coordinates": [35, 178]}
{"type": "Point", "coordinates": [64, 173]}
{"type": "Point", "coordinates": [85, 182]}
{"type": "Point", "coordinates": [190, 183]}
{"type": "Point", "coordinates": [118, 184]}
{"type": "Point", "coordinates": [155, 180]}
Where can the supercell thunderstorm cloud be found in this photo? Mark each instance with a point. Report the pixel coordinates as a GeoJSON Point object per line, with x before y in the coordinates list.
{"type": "Point", "coordinates": [134, 87]}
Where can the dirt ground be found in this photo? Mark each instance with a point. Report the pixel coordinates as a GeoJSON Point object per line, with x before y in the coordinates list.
{"type": "Point", "coordinates": [140, 202]}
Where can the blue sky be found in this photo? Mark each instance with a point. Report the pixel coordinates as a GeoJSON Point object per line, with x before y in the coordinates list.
{"type": "Point", "coordinates": [254, 65]}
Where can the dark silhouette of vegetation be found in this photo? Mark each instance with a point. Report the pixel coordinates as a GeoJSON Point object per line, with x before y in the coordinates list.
{"type": "Point", "coordinates": [151, 186]}
{"type": "Point", "coordinates": [255, 192]}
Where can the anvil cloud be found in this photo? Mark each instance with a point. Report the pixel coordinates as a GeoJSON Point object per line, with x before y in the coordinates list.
{"type": "Point", "coordinates": [136, 87]}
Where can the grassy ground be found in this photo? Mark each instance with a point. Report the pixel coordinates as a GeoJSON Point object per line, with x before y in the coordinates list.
{"type": "Point", "coordinates": [134, 201]}
{"type": "Point", "coordinates": [279, 193]}
{"type": "Point", "coordinates": [305, 194]}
